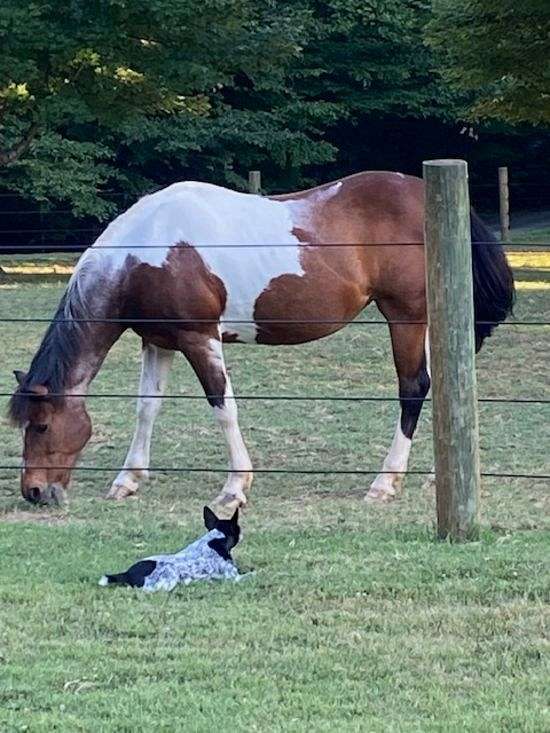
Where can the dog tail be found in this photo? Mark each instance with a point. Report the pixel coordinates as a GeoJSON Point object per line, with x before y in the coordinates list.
{"type": "Point", "coordinates": [117, 579]}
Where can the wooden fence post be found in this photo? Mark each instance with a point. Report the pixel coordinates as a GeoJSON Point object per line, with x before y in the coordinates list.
{"type": "Point", "coordinates": [451, 328]}
{"type": "Point", "coordinates": [504, 203]}
{"type": "Point", "coordinates": [254, 181]}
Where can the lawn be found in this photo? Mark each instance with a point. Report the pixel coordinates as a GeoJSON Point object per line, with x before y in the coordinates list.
{"type": "Point", "coordinates": [357, 619]}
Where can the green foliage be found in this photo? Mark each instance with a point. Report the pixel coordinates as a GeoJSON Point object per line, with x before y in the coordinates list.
{"type": "Point", "coordinates": [499, 52]}
{"type": "Point", "coordinates": [108, 94]}
{"type": "Point", "coordinates": [369, 58]}
{"type": "Point", "coordinates": [102, 85]}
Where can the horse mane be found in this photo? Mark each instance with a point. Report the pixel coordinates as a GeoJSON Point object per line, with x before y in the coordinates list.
{"type": "Point", "coordinates": [59, 349]}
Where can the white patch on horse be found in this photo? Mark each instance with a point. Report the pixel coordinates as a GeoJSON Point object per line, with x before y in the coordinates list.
{"type": "Point", "coordinates": [239, 478]}
{"type": "Point", "coordinates": [427, 353]}
{"type": "Point", "coordinates": [386, 484]}
{"type": "Point", "coordinates": [213, 220]}
{"type": "Point", "coordinates": [155, 370]}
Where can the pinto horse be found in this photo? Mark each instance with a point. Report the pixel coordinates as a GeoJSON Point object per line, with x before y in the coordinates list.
{"type": "Point", "coordinates": [195, 265]}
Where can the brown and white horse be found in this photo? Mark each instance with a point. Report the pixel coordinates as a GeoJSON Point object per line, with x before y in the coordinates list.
{"type": "Point", "coordinates": [227, 266]}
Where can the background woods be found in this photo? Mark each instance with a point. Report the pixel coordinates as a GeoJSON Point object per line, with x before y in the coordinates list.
{"type": "Point", "coordinates": [103, 100]}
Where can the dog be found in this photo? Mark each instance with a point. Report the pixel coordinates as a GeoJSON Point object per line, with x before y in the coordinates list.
{"type": "Point", "coordinates": [207, 558]}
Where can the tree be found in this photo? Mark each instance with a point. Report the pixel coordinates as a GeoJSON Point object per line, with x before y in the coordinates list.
{"type": "Point", "coordinates": [92, 91]}
{"type": "Point", "coordinates": [369, 58]}
{"type": "Point", "coordinates": [365, 68]}
{"type": "Point", "coordinates": [498, 51]}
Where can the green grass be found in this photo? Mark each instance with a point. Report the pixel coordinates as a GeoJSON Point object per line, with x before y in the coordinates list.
{"type": "Point", "coordinates": [356, 619]}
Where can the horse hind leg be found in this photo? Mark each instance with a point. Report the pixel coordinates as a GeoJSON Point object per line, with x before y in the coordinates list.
{"type": "Point", "coordinates": [409, 344]}
{"type": "Point", "coordinates": [155, 369]}
{"type": "Point", "coordinates": [205, 355]}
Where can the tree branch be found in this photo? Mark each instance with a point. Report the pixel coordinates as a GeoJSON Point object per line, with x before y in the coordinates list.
{"type": "Point", "coordinates": [10, 156]}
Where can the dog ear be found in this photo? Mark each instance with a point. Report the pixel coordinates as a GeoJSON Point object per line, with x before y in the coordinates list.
{"type": "Point", "coordinates": [210, 519]}
{"type": "Point", "coordinates": [235, 518]}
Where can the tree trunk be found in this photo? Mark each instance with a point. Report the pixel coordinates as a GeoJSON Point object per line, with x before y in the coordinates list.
{"type": "Point", "coordinates": [10, 156]}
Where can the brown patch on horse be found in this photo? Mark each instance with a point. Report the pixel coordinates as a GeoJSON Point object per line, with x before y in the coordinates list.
{"type": "Point", "coordinates": [317, 311]}
{"type": "Point", "coordinates": [183, 290]}
{"type": "Point", "coordinates": [229, 337]}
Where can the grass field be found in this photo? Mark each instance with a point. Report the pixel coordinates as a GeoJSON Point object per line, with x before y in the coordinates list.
{"type": "Point", "coordinates": [356, 619]}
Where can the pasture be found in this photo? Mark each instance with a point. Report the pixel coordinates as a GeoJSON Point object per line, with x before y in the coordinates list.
{"type": "Point", "coordinates": [356, 619]}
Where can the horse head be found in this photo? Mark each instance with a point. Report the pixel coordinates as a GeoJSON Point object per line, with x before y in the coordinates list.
{"type": "Point", "coordinates": [56, 429]}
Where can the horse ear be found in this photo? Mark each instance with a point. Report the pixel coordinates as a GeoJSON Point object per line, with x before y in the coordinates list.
{"type": "Point", "coordinates": [19, 376]}
{"type": "Point", "coordinates": [210, 519]}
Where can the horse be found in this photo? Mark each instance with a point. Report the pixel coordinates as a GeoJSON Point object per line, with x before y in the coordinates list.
{"type": "Point", "coordinates": [195, 265]}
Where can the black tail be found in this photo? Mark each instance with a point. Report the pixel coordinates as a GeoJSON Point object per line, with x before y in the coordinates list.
{"type": "Point", "coordinates": [134, 576]}
{"type": "Point", "coordinates": [494, 292]}
{"type": "Point", "coordinates": [117, 579]}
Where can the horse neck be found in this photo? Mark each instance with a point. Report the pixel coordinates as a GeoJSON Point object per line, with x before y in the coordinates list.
{"type": "Point", "coordinates": [96, 342]}
{"type": "Point", "coordinates": [76, 342]}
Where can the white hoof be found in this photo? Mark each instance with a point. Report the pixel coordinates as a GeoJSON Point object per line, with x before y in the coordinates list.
{"type": "Point", "coordinates": [429, 483]}
{"type": "Point", "coordinates": [228, 501]}
{"type": "Point", "coordinates": [384, 488]}
{"type": "Point", "coordinates": [122, 488]}
{"type": "Point", "coordinates": [380, 496]}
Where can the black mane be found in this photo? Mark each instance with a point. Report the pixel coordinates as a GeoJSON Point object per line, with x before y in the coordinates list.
{"type": "Point", "coordinates": [57, 354]}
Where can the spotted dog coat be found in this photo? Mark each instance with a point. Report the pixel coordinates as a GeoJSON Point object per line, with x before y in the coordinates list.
{"type": "Point", "coordinates": [208, 558]}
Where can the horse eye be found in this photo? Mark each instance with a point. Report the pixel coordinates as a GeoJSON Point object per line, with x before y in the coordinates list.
{"type": "Point", "coordinates": [40, 428]}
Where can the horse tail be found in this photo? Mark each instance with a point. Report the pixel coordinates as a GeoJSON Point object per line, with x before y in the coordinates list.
{"type": "Point", "coordinates": [494, 291]}
{"type": "Point", "coordinates": [117, 579]}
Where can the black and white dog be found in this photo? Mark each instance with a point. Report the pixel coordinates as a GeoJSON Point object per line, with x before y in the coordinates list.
{"type": "Point", "coordinates": [209, 557]}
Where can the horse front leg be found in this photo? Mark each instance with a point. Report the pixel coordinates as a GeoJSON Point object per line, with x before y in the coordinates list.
{"type": "Point", "coordinates": [409, 344]}
{"type": "Point", "coordinates": [205, 355]}
{"type": "Point", "coordinates": [155, 369]}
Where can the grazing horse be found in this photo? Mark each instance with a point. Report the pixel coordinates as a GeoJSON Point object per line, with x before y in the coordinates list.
{"type": "Point", "coordinates": [195, 265]}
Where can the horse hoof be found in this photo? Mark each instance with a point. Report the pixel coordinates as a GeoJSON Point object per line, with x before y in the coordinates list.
{"type": "Point", "coordinates": [118, 492]}
{"type": "Point", "coordinates": [379, 496]}
{"type": "Point", "coordinates": [227, 503]}
{"type": "Point", "coordinates": [429, 484]}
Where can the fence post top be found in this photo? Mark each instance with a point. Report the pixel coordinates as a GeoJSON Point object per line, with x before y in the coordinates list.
{"type": "Point", "coordinates": [445, 162]}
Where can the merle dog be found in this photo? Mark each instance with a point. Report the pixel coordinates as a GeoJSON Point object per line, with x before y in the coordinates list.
{"type": "Point", "coordinates": [209, 557]}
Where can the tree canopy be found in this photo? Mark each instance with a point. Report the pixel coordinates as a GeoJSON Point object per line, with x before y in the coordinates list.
{"type": "Point", "coordinates": [498, 51]}
{"type": "Point", "coordinates": [92, 90]}
{"type": "Point", "coordinates": [101, 95]}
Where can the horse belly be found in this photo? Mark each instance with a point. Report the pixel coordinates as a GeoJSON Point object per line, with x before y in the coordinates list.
{"type": "Point", "coordinates": [245, 282]}
{"type": "Point", "coordinates": [297, 310]}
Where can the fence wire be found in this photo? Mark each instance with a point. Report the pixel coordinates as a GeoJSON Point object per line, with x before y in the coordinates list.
{"type": "Point", "coordinates": [58, 248]}
{"type": "Point", "coordinates": [259, 321]}
{"type": "Point", "coordinates": [276, 471]}
{"type": "Point", "coordinates": [282, 398]}
{"type": "Point", "coordinates": [45, 249]}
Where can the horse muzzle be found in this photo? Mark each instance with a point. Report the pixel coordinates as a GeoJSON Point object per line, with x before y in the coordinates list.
{"type": "Point", "coordinates": [45, 495]}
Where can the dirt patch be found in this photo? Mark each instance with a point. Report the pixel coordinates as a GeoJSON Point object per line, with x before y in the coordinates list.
{"type": "Point", "coordinates": [18, 515]}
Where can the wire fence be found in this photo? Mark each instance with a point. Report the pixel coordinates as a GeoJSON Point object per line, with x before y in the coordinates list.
{"type": "Point", "coordinates": [280, 398]}
{"type": "Point", "coordinates": [53, 248]}
{"type": "Point", "coordinates": [128, 322]}
{"type": "Point", "coordinates": [275, 471]}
